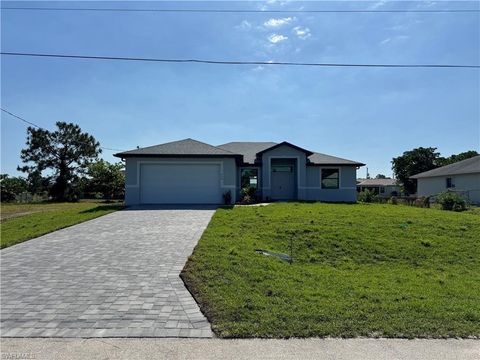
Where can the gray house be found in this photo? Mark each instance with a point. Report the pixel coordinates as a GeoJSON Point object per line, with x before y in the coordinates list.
{"type": "Point", "coordinates": [462, 177]}
{"type": "Point", "coordinates": [193, 172]}
{"type": "Point", "coordinates": [381, 187]}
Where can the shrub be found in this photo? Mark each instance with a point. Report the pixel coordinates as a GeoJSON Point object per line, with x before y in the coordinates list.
{"type": "Point", "coordinates": [227, 197]}
{"type": "Point", "coordinates": [247, 195]}
{"type": "Point", "coordinates": [366, 196]}
{"type": "Point", "coordinates": [393, 200]}
{"type": "Point", "coordinates": [452, 201]}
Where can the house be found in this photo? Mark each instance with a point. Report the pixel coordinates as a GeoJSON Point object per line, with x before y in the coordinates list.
{"type": "Point", "coordinates": [380, 187]}
{"type": "Point", "coordinates": [462, 177]}
{"type": "Point", "coordinates": [193, 172]}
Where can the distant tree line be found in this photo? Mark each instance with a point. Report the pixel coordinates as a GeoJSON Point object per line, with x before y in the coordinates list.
{"type": "Point", "coordinates": [422, 159]}
{"type": "Point", "coordinates": [70, 157]}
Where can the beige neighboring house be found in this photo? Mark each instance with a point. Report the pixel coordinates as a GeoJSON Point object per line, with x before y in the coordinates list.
{"type": "Point", "coordinates": [380, 187]}
{"type": "Point", "coordinates": [462, 177]}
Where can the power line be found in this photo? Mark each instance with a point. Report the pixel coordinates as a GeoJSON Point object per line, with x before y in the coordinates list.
{"type": "Point", "coordinates": [39, 127]}
{"type": "Point", "coordinates": [20, 118]}
{"type": "Point", "coordinates": [243, 10]}
{"type": "Point", "coordinates": [235, 62]}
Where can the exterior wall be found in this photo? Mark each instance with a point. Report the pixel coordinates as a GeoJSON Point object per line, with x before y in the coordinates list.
{"type": "Point", "coordinates": [285, 152]}
{"type": "Point", "coordinates": [469, 183]}
{"type": "Point", "coordinates": [228, 174]}
{"type": "Point", "coordinates": [347, 191]}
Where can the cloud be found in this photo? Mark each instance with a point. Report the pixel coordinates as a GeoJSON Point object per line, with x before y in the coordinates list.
{"type": "Point", "coordinates": [244, 25]}
{"type": "Point", "coordinates": [395, 38]}
{"type": "Point", "coordinates": [378, 4]}
{"type": "Point", "coordinates": [275, 23]}
{"type": "Point", "coordinates": [385, 41]}
{"type": "Point", "coordinates": [302, 32]}
{"type": "Point", "coordinates": [276, 38]}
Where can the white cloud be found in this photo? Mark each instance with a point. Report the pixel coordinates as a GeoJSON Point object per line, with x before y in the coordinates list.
{"type": "Point", "coordinates": [378, 4]}
{"type": "Point", "coordinates": [302, 32]}
{"type": "Point", "coordinates": [258, 68]}
{"type": "Point", "coordinates": [395, 38]}
{"type": "Point", "coordinates": [385, 41]}
{"type": "Point", "coordinates": [244, 25]}
{"type": "Point", "coordinates": [276, 38]}
{"type": "Point", "coordinates": [275, 23]}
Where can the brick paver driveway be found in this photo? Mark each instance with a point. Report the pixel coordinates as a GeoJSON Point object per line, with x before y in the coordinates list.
{"type": "Point", "coordinates": [115, 276]}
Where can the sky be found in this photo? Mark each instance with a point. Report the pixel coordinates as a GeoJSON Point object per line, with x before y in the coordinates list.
{"type": "Point", "coordinates": [365, 114]}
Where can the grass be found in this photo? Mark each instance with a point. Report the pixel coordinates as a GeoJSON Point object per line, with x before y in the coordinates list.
{"type": "Point", "coordinates": [358, 270]}
{"type": "Point", "coordinates": [20, 222]}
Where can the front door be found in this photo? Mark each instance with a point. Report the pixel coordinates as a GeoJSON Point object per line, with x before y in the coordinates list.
{"type": "Point", "coordinates": [283, 185]}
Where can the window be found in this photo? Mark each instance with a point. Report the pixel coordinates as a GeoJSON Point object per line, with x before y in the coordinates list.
{"type": "Point", "coordinates": [450, 183]}
{"type": "Point", "coordinates": [249, 178]}
{"type": "Point", "coordinates": [382, 190]}
{"type": "Point", "coordinates": [330, 178]}
{"type": "Point", "coordinates": [282, 168]}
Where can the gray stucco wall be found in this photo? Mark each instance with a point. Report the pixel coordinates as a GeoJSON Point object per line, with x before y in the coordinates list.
{"type": "Point", "coordinates": [286, 152]}
{"type": "Point", "coordinates": [132, 165]}
{"type": "Point", "coordinates": [347, 191]}
{"type": "Point", "coordinates": [465, 182]}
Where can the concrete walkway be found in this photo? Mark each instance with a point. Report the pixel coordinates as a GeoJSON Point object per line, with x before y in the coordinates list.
{"type": "Point", "coordinates": [199, 349]}
{"type": "Point", "coordinates": [114, 276]}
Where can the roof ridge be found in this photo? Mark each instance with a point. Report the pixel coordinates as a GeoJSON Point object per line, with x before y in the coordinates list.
{"type": "Point", "coordinates": [214, 146]}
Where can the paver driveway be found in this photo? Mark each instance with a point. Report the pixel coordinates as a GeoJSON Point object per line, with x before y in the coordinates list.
{"type": "Point", "coordinates": [114, 276]}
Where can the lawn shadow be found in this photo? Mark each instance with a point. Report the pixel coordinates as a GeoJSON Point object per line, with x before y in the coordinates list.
{"type": "Point", "coordinates": [102, 208]}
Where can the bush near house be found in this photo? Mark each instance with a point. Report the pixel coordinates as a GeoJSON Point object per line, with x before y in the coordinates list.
{"type": "Point", "coordinates": [358, 270]}
{"type": "Point", "coordinates": [449, 200]}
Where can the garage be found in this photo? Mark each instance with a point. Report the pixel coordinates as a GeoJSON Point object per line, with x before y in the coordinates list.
{"type": "Point", "coordinates": [180, 183]}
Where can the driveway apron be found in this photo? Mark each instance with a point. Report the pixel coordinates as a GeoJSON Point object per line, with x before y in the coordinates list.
{"type": "Point", "coordinates": [114, 276]}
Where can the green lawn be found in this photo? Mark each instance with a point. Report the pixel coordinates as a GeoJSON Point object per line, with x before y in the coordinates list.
{"type": "Point", "coordinates": [20, 222]}
{"type": "Point", "coordinates": [358, 270]}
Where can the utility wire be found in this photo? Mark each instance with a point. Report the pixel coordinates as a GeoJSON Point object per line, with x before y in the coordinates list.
{"type": "Point", "coordinates": [242, 11]}
{"type": "Point", "coordinates": [22, 119]}
{"type": "Point", "coordinates": [39, 127]}
{"type": "Point", "coordinates": [219, 62]}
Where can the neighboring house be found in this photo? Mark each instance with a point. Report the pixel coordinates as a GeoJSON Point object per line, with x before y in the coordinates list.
{"type": "Point", "coordinates": [462, 177]}
{"type": "Point", "coordinates": [193, 172]}
{"type": "Point", "coordinates": [380, 187]}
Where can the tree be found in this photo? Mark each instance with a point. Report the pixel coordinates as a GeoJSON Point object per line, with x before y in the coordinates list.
{"type": "Point", "coordinates": [11, 186]}
{"type": "Point", "coordinates": [414, 162]}
{"type": "Point", "coordinates": [37, 184]}
{"type": "Point", "coordinates": [106, 178]}
{"type": "Point", "coordinates": [67, 151]}
{"type": "Point", "coordinates": [380, 176]}
{"type": "Point", "coordinates": [459, 157]}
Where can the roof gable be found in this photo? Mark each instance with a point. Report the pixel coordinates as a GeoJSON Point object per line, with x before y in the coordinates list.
{"type": "Point", "coordinates": [285, 143]}
{"type": "Point", "coordinates": [467, 166]}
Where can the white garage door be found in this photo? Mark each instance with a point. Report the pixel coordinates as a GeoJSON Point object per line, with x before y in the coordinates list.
{"type": "Point", "coordinates": [180, 184]}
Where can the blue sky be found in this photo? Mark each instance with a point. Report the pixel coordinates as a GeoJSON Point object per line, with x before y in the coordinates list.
{"type": "Point", "coordinates": [364, 114]}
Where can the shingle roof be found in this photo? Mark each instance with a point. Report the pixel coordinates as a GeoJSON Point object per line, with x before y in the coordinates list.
{"type": "Point", "coordinates": [378, 182]}
{"type": "Point", "coordinates": [467, 166]}
{"type": "Point", "coordinates": [181, 147]}
{"type": "Point", "coordinates": [249, 150]}
{"type": "Point", "coordinates": [324, 159]}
